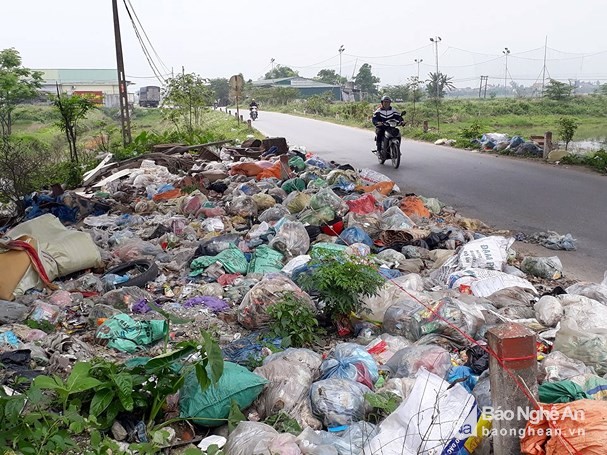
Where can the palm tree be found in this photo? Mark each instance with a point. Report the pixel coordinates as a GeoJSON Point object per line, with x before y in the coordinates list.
{"type": "Point", "coordinates": [438, 84]}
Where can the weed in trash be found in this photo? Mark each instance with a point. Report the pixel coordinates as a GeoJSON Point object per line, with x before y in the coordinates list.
{"type": "Point", "coordinates": [283, 423]}
{"type": "Point", "coordinates": [341, 281]}
{"type": "Point", "coordinates": [294, 321]}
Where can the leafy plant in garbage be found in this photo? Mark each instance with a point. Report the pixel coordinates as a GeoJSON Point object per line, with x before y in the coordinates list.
{"type": "Point", "coordinates": [43, 325]}
{"type": "Point", "coordinates": [283, 423]}
{"type": "Point", "coordinates": [168, 318]}
{"type": "Point", "coordinates": [474, 131]}
{"type": "Point", "coordinates": [77, 382]}
{"type": "Point", "coordinates": [294, 321]}
{"type": "Point", "coordinates": [383, 404]}
{"type": "Point", "coordinates": [167, 372]}
{"type": "Point", "coordinates": [28, 425]}
{"type": "Point", "coordinates": [341, 281]}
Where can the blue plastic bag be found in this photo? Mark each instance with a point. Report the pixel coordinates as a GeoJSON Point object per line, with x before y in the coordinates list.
{"type": "Point", "coordinates": [465, 374]}
{"type": "Point", "coordinates": [354, 235]}
{"type": "Point", "coordinates": [350, 361]}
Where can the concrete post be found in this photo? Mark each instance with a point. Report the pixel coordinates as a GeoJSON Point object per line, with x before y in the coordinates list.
{"type": "Point", "coordinates": [230, 112]}
{"type": "Point", "coordinates": [516, 346]}
{"type": "Point", "coordinates": [249, 123]}
{"type": "Point", "coordinates": [241, 118]}
{"type": "Point", "coordinates": [547, 143]}
{"type": "Point", "coordinates": [425, 126]}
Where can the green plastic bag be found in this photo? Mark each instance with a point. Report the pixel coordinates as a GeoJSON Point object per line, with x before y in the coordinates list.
{"type": "Point", "coordinates": [233, 261]}
{"type": "Point", "coordinates": [266, 260]}
{"type": "Point", "coordinates": [297, 163]}
{"type": "Point", "coordinates": [127, 335]}
{"type": "Point", "coordinates": [322, 248]}
{"type": "Point", "coordinates": [211, 407]}
{"type": "Point", "coordinates": [561, 392]}
{"type": "Point", "coordinates": [294, 185]}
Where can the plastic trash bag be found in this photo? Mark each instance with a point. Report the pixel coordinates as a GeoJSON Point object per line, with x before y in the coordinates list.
{"type": "Point", "coordinates": [216, 245]}
{"type": "Point", "coordinates": [394, 219]}
{"type": "Point", "coordinates": [482, 391]}
{"type": "Point", "coordinates": [350, 361]}
{"type": "Point", "coordinates": [232, 260]}
{"type": "Point", "coordinates": [297, 201]}
{"type": "Point", "coordinates": [317, 217]}
{"type": "Point", "coordinates": [370, 223]}
{"type": "Point", "coordinates": [307, 357]}
{"type": "Point", "coordinates": [363, 205]}
{"type": "Point", "coordinates": [292, 239]}
{"type": "Point", "coordinates": [548, 311]}
{"type": "Point", "coordinates": [264, 201]}
{"type": "Point", "coordinates": [288, 385]}
{"type": "Point", "coordinates": [248, 436]}
{"type": "Point", "coordinates": [462, 375]}
{"type": "Point", "coordinates": [327, 198]}
{"type": "Point", "coordinates": [136, 249]}
{"type": "Point", "coordinates": [212, 405]}
{"type": "Point", "coordinates": [270, 290]}
{"type": "Point", "coordinates": [385, 346]}
{"type": "Point", "coordinates": [374, 308]}
{"type": "Point", "coordinates": [125, 297]}
{"type": "Point", "coordinates": [354, 235]}
{"type": "Point", "coordinates": [127, 335]}
{"type": "Point", "coordinates": [467, 318]}
{"type": "Point", "coordinates": [273, 214]}
{"type": "Point", "coordinates": [407, 362]}
{"type": "Point", "coordinates": [556, 366]}
{"type": "Point", "coordinates": [348, 442]}
{"type": "Point", "coordinates": [589, 346]}
{"type": "Point", "coordinates": [427, 421]}
{"type": "Point", "coordinates": [550, 268]}
{"type": "Point", "coordinates": [397, 317]}
{"type": "Point", "coordinates": [243, 206]}
{"type": "Point", "coordinates": [266, 260]}
{"type": "Point", "coordinates": [339, 401]}
{"type": "Point", "coordinates": [593, 291]}
{"type": "Point", "coordinates": [391, 258]}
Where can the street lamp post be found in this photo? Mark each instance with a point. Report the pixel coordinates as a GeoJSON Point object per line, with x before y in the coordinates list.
{"type": "Point", "coordinates": [506, 52]}
{"type": "Point", "coordinates": [436, 40]}
{"type": "Point", "coordinates": [340, 50]}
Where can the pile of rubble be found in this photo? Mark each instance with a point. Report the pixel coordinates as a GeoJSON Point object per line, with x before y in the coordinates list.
{"type": "Point", "coordinates": [214, 236]}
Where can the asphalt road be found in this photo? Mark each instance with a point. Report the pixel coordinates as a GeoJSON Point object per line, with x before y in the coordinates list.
{"type": "Point", "coordinates": [505, 193]}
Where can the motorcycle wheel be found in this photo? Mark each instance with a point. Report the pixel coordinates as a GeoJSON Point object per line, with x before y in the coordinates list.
{"type": "Point", "coordinates": [395, 154]}
{"type": "Point", "coordinates": [380, 157]}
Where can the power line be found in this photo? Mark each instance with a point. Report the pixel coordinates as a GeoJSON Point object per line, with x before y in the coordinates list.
{"type": "Point", "coordinates": [148, 57]}
{"type": "Point", "coordinates": [166, 69]}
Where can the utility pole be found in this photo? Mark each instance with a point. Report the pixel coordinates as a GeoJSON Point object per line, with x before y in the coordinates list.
{"type": "Point", "coordinates": [506, 53]}
{"type": "Point", "coordinates": [436, 40]}
{"type": "Point", "coordinates": [125, 119]}
{"type": "Point", "coordinates": [483, 79]}
{"type": "Point", "coordinates": [544, 69]}
{"type": "Point", "coordinates": [418, 61]}
{"type": "Point", "coordinates": [340, 50]}
{"type": "Point", "coordinates": [272, 63]}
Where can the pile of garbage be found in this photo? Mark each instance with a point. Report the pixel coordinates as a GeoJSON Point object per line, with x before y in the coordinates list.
{"type": "Point", "coordinates": [214, 239]}
{"type": "Point", "coordinates": [501, 143]}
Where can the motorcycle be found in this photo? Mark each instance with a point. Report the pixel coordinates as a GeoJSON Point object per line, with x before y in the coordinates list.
{"type": "Point", "coordinates": [390, 148]}
{"type": "Point", "coordinates": [253, 113]}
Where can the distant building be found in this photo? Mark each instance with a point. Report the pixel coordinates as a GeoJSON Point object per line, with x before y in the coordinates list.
{"type": "Point", "coordinates": [100, 84]}
{"type": "Point", "coordinates": [306, 87]}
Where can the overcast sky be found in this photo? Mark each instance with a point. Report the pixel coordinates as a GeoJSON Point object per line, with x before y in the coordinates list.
{"type": "Point", "coordinates": [221, 38]}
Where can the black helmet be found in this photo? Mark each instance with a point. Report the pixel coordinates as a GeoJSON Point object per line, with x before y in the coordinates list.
{"type": "Point", "coordinates": [386, 98]}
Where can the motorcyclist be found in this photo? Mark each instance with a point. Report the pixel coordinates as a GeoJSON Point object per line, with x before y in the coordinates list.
{"type": "Point", "coordinates": [253, 104]}
{"type": "Point", "coordinates": [382, 114]}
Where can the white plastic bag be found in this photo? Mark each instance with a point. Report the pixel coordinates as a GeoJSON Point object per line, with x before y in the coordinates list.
{"type": "Point", "coordinates": [427, 421]}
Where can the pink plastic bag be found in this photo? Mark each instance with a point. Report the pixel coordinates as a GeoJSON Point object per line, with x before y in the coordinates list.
{"type": "Point", "coordinates": [363, 205]}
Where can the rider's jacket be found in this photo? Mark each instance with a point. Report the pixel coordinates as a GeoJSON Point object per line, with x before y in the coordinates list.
{"type": "Point", "coordinates": [382, 115]}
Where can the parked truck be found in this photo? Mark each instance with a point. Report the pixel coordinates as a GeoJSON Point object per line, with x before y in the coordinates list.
{"type": "Point", "coordinates": [149, 96]}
